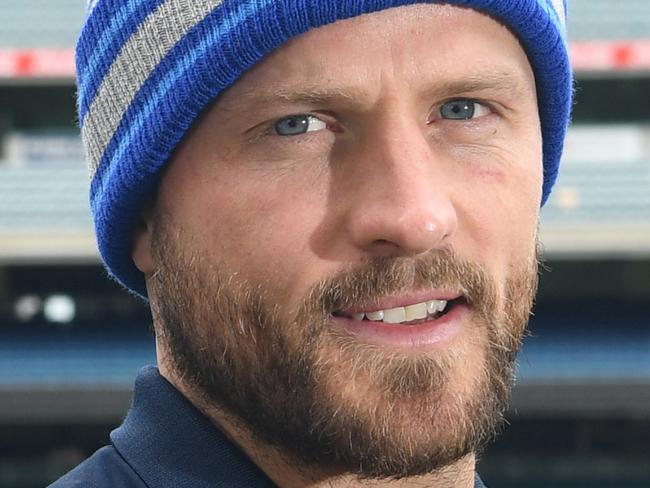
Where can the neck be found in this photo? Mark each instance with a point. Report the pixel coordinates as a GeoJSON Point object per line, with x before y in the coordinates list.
{"type": "Point", "coordinates": [286, 473]}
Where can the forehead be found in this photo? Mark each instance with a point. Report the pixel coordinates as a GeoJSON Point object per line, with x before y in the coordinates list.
{"type": "Point", "coordinates": [418, 43]}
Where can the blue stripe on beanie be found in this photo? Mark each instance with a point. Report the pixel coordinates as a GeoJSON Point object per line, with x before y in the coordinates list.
{"type": "Point", "coordinates": [137, 101]}
{"type": "Point", "coordinates": [96, 53]}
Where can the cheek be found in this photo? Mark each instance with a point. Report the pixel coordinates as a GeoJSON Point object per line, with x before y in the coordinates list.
{"type": "Point", "coordinates": [498, 205]}
{"type": "Point", "coordinates": [259, 224]}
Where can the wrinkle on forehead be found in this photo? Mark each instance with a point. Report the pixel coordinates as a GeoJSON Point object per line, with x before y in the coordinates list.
{"type": "Point", "coordinates": [335, 94]}
{"type": "Point", "coordinates": [413, 49]}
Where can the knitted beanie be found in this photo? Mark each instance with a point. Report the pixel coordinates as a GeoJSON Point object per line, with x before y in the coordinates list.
{"type": "Point", "coordinates": [146, 69]}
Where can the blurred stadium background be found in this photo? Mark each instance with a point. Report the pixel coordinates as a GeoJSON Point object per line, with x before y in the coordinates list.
{"type": "Point", "coordinates": [71, 342]}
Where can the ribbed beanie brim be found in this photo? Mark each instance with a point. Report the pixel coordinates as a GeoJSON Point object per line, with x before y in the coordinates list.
{"type": "Point", "coordinates": [146, 69]}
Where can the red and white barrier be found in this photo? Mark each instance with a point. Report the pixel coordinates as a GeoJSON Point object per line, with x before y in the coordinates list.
{"type": "Point", "coordinates": [37, 63]}
{"type": "Point", "coordinates": [611, 55]}
{"type": "Point", "coordinates": [585, 56]}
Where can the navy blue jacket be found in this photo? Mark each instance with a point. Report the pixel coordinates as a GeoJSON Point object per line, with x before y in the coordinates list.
{"type": "Point", "coordinates": [165, 442]}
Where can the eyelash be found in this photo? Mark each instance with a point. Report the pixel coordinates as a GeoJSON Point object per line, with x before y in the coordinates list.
{"type": "Point", "coordinates": [488, 107]}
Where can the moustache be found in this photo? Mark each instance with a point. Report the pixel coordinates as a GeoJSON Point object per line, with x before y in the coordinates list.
{"type": "Point", "coordinates": [384, 276]}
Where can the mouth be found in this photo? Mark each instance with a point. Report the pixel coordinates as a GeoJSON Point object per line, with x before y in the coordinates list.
{"type": "Point", "coordinates": [409, 315]}
{"type": "Point", "coordinates": [411, 324]}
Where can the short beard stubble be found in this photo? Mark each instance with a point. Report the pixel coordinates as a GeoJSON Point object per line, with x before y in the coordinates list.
{"type": "Point", "coordinates": [324, 398]}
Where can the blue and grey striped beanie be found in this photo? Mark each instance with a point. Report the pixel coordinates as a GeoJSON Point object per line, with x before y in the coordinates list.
{"type": "Point", "coordinates": [146, 69]}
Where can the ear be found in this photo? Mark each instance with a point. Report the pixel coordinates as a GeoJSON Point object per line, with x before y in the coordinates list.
{"type": "Point", "coordinates": [141, 250]}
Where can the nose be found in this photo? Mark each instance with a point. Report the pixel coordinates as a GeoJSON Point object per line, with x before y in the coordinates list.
{"type": "Point", "coordinates": [399, 197]}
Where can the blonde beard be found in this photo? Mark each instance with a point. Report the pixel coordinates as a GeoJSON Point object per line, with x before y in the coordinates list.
{"type": "Point", "coordinates": [326, 399]}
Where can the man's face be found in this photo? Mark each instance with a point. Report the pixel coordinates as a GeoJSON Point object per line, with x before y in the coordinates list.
{"type": "Point", "coordinates": [385, 161]}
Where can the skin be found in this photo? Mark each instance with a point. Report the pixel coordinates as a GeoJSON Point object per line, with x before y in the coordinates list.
{"type": "Point", "coordinates": [385, 177]}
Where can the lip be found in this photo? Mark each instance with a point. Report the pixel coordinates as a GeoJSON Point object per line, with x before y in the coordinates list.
{"type": "Point", "coordinates": [403, 300]}
{"type": "Point", "coordinates": [433, 333]}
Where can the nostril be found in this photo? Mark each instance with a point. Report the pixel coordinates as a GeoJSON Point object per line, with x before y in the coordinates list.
{"type": "Point", "coordinates": [385, 248]}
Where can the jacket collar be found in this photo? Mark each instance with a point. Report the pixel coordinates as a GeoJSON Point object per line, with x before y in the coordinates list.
{"type": "Point", "coordinates": [170, 444]}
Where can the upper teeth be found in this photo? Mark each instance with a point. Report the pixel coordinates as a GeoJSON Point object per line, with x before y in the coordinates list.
{"type": "Point", "coordinates": [404, 314]}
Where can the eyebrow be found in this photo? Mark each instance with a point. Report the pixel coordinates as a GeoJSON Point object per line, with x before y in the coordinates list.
{"type": "Point", "coordinates": [501, 81]}
{"type": "Point", "coordinates": [316, 95]}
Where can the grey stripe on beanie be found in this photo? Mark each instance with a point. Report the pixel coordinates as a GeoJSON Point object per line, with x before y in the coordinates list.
{"type": "Point", "coordinates": [161, 30]}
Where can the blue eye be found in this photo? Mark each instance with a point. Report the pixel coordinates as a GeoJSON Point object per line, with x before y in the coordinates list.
{"type": "Point", "coordinates": [298, 124]}
{"type": "Point", "coordinates": [462, 109]}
